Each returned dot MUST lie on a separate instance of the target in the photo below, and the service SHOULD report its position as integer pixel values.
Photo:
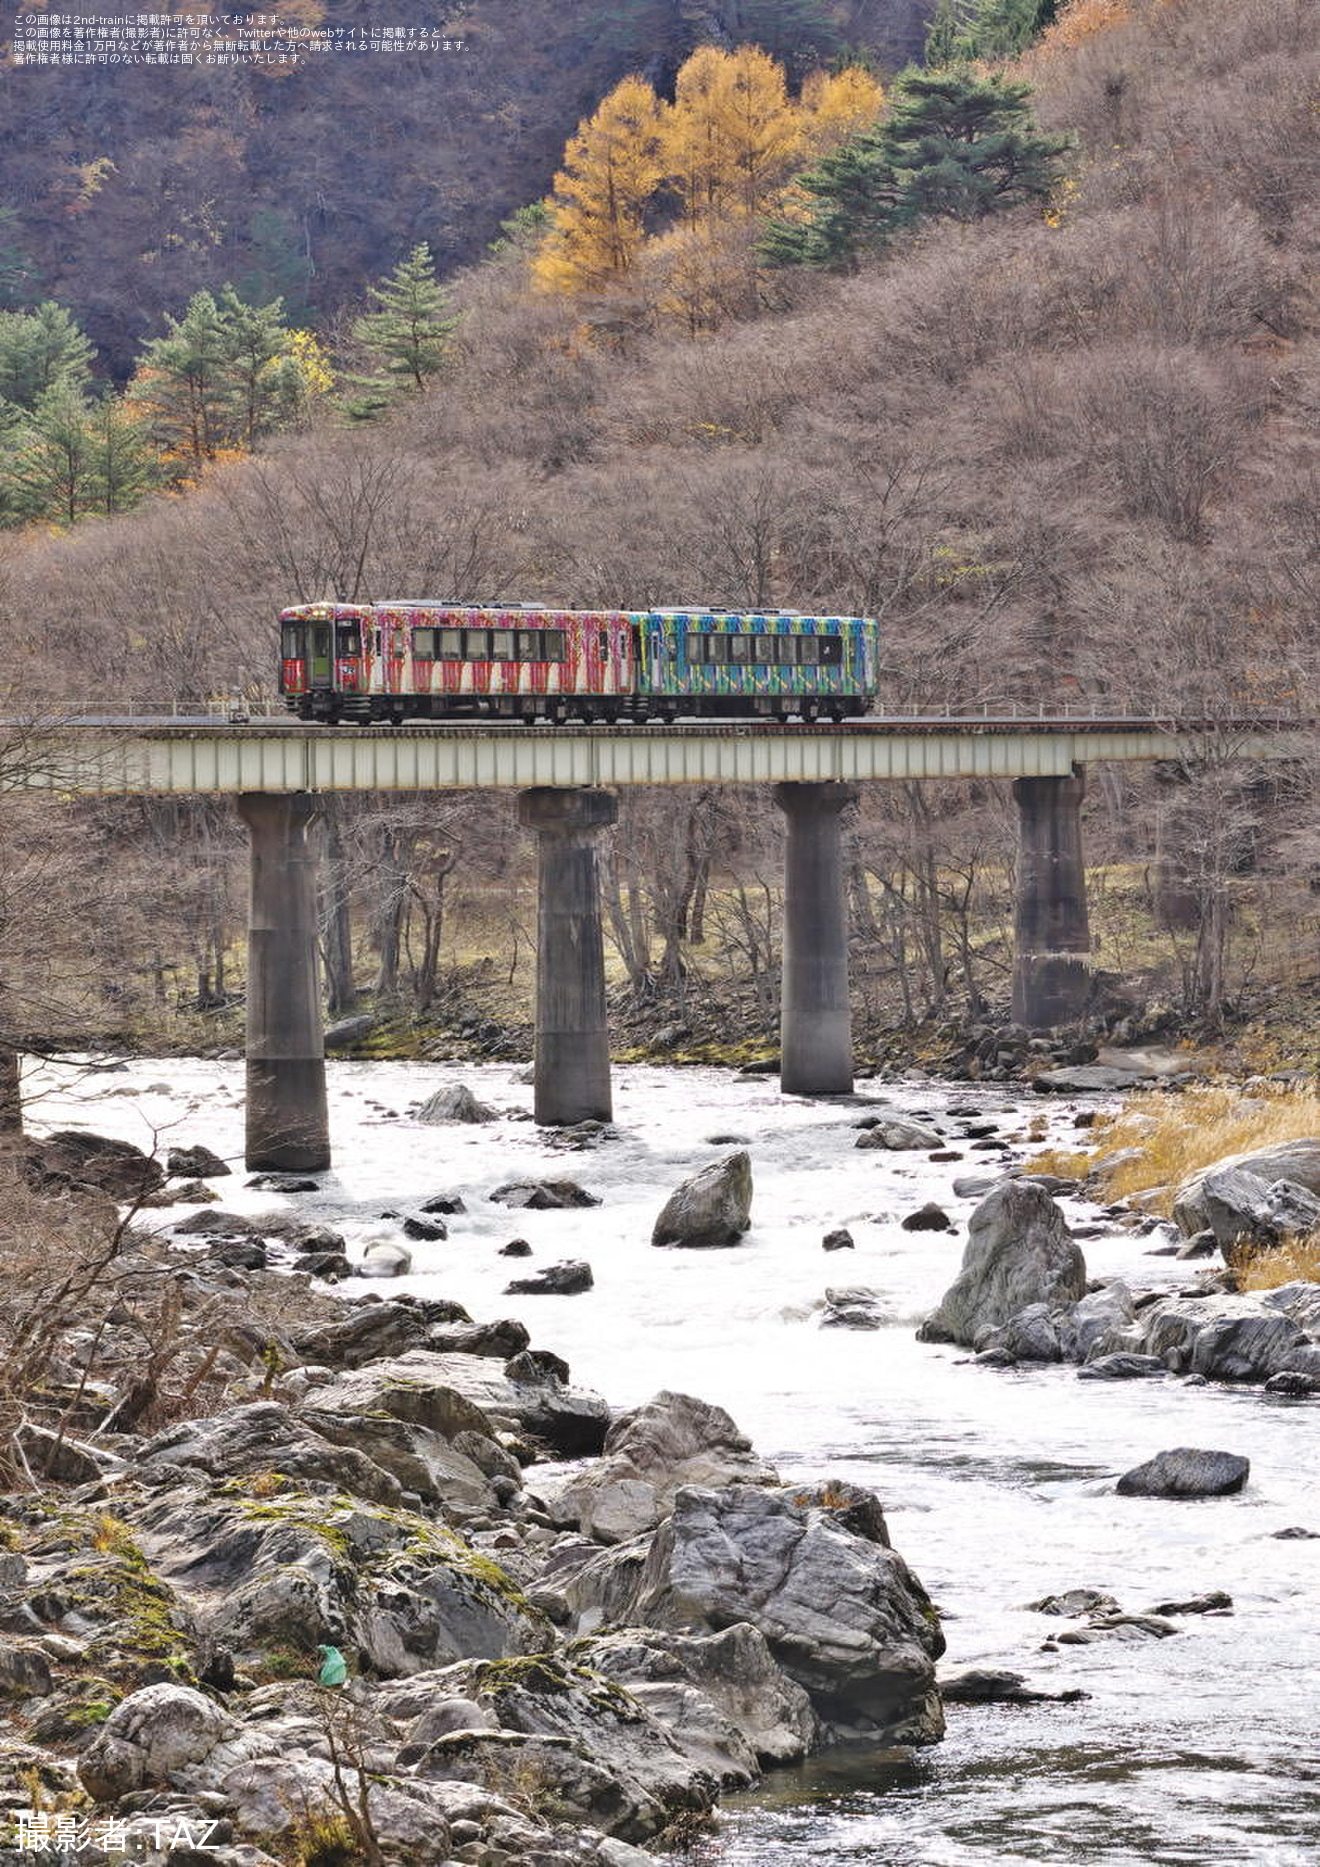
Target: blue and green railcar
(770, 665)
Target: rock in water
(385, 1260)
(1018, 1253)
(457, 1104)
(843, 1615)
(194, 1163)
(650, 1454)
(928, 1218)
(1186, 1472)
(900, 1136)
(114, 1167)
(542, 1195)
(713, 1208)
(855, 1306)
(556, 1280)
(425, 1229)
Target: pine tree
(956, 143)
(612, 168)
(408, 339)
(17, 272)
(40, 350)
(255, 338)
(184, 383)
(965, 145)
(850, 203)
(223, 375)
(124, 465)
(49, 471)
(991, 30)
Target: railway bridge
(564, 779)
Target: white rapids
(998, 1485)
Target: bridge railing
(999, 710)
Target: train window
(696, 648)
(740, 648)
(350, 638)
(450, 644)
(501, 644)
(717, 648)
(553, 649)
(806, 651)
(766, 647)
(529, 645)
(291, 641)
(831, 651)
(605, 644)
(476, 644)
(320, 641)
(424, 644)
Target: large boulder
(721, 1696)
(649, 1455)
(574, 1741)
(1186, 1472)
(373, 1331)
(424, 1386)
(1088, 1079)
(116, 1168)
(433, 1439)
(842, 1614)
(1019, 1253)
(1245, 1348)
(1225, 1338)
(1298, 1161)
(1247, 1213)
(711, 1209)
(281, 1573)
(456, 1104)
(261, 1437)
(148, 1737)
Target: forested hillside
(1065, 451)
(124, 192)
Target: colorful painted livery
(416, 659)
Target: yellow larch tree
(732, 134)
(612, 168)
(836, 105)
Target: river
(998, 1485)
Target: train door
(293, 657)
(320, 657)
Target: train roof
(330, 606)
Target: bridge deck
(109, 756)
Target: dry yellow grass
(1176, 1136)
(1297, 1260)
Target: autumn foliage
(678, 182)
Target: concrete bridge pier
(572, 1070)
(287, 1124)
(1052, 939)
(815, 1037)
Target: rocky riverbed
(570, 1625)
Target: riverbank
(997, 1485)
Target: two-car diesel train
(376, 662)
